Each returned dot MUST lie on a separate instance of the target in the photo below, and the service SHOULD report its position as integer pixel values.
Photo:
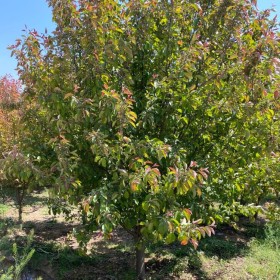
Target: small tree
(10, 90)
(14, 272)
(17, 169)
(18, 172)
(140, 97)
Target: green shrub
(13, 272)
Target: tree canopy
(154, 115)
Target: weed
(4, 208)
(221, 248)
(14, 272)
(262, 261)
(273, 235)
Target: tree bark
(140, 253)
(140, 261)
(20, 196)
(20, 213)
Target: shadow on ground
(58, 257)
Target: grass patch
(4, 208)
(263, 261)
(221, 248)
(259, 259)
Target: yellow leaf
(68, 95)
(180, 42)
(86, 207)
(118, 29)
(132, 123)
(132, 115)
(134, 186)
(192, 87)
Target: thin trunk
(140, 262)
(20, 195)
(140, 254)
(20, 213)
(258, 203)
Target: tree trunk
(20, 213)
(20, 195)
(277, 194)
(257, 203)
(140, 253)
(140, 261)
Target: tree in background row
(153, 115)
(9, 101)
(17, 170)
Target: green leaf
(145, 205)
(126, 195)
(170, 238)
(163, 227)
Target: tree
(14, 272)
(17, 169)
(139, 99)
(9, 101)
(9, 119)
(10, 89)
(19, 173)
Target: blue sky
(15, 14)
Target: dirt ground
(58, 256)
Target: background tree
(18, 174)
(9, 103)
(9, 118)
(139, 98)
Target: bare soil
(58, 255)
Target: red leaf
(188, 210)
(254, 2)
(127, 91)
(194, 243)
(208, 231)
(156, 171)
(193, 164)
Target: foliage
(14, 272)
(132, 102)
(9, 101)
(10, 89)
(17, 169)
(18, 172)
(273, 212)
